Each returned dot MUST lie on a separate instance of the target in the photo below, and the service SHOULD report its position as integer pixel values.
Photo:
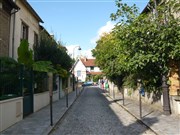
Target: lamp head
(79, 48)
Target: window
(78, 73)
(92, 68)
(24, 31)
(35, 38)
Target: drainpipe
(13, 32)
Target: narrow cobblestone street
(93, 113)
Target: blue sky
(78, 22)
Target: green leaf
(25, 55)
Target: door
(27, 92)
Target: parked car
(89, 83)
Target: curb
(52, 128)
(139, 120)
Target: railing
(10, 79)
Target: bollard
(67, 98)
(123, 96)
(140, 104)
(50, 87)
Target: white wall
(11, 111)
(61, 93)
(80, 66)
(96, 69)
(41, 100)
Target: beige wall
(23, 15)
(41, 100)
(11, 111)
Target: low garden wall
(41, 100)
(155, 100)
(11, 111)
(55, 95)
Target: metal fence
(10, 79)
(40, 82)
(17, 80)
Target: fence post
(21, 77)
(0, 66)
(32, 87)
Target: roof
(28, 6)
(147, 7)
(88, 62)
(95, 73)
(13, 4)
(73, 66)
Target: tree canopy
(140, 46)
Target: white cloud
(104, 29)
(87, 53)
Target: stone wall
(174, 79)
(4, 33)
(153, 99)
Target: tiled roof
(88, 62)
(95, 73)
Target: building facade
(85, 67)
(7, 9)
(24, 25)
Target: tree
(142, 46)
(25, 57)
(49, 50)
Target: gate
(16, 81)
(27, 92)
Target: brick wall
(4, 33)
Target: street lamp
(79, 48)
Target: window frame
(24, 31)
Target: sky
(78, 22)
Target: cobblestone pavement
(93, 113)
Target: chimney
(85, 59)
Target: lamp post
(166, 102)
(79, 48)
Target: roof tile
(88, 62)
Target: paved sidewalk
(164, 125)
(38, 123)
